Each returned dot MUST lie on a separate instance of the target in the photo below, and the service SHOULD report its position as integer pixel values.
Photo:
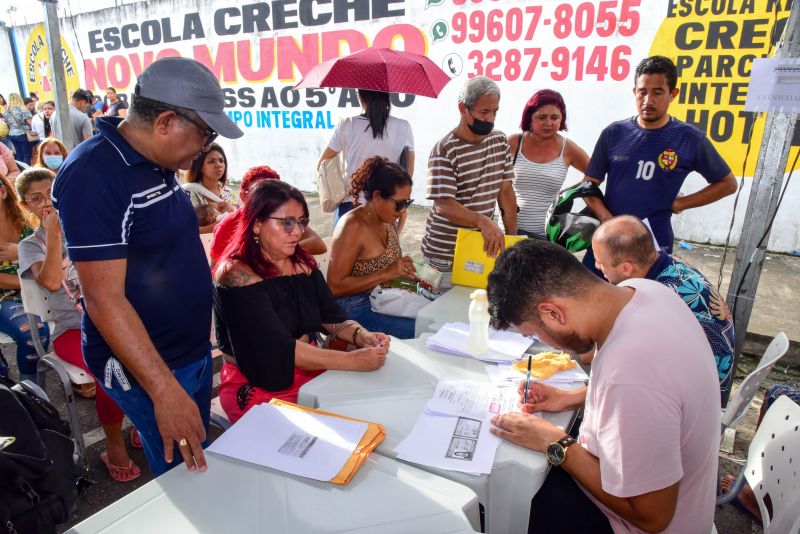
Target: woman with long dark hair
(269, 300)
(373, 133)
(205, 182)
(366, 249)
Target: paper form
(472, 399)
(300, 443)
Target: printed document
(469, 398)
(296, 442)
(504, 346)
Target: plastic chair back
(34, 299)
(741, 399)
(324, 259)
(773, 466)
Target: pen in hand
(527, 382)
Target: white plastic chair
(741, 399)
(36, 302)
(773, 468)
(218, 417)
(324, 259)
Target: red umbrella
(379, 69)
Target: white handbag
(396, 302)
(331, 178)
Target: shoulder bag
(331, 183)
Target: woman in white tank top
(542, 159)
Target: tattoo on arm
(236, 278)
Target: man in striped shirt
(469, 170)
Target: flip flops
(739, 505)
(121, 473)
(136, 441)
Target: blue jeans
(358, 308)
(14, 322)
(341, 209)
(23, 147)
(195, 379)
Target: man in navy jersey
(646, 158)
(132, 234)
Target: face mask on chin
(479, 127)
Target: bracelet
(356, 331)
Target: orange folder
(373, 437)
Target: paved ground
(775, 310)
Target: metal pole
(59, 80)
(764, 193)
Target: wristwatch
(556, 452)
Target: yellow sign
(38, 74)
(713, 44)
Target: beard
(571, 342)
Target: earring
(256, 239)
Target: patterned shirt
(12, 267)
(470, 173)
(707, 305)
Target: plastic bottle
(478, 323)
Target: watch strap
(566, 441)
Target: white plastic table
(395, 396)
(452, 306)
(232, 496)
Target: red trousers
(67, 346)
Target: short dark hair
(545, 97)
(528, 273)
(80, 94)
(632, 243)
(659, 65)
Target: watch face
(555, 454)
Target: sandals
(136, 441)
(87, 390)
(118, 473)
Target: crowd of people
(114, 237)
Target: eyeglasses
(400, 205)
(290, 222)
(205, 130)
(37, 200)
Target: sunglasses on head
(400, 205)
(290, 222)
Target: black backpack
(38, 476)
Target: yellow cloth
(373, 437)
(545, 364)
(471, 265)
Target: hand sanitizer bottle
(478, 323)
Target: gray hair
(476, 88)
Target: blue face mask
(53, 162)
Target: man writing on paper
(623, 249)
(647, 157)
(469, 170)
(646, 459)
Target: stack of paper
(301, 441)
(453, 430)
(504, 346)
(503, 376)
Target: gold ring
(183, 442)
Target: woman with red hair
(542, 157)
(224, 230)
(270, 298)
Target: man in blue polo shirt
(132, 235)
(623, 249)
(646, 159)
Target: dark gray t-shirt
(32, 250)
